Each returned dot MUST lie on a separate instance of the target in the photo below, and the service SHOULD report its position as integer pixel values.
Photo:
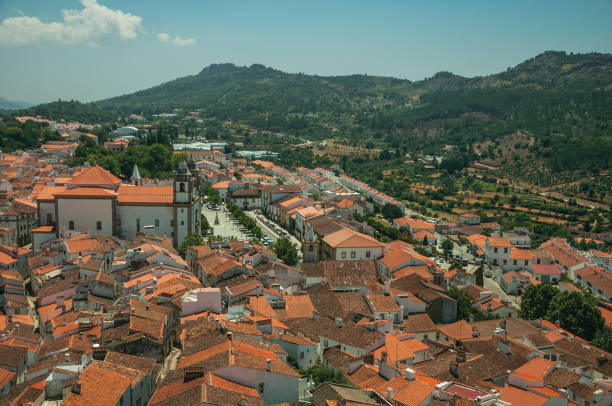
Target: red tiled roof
(546, 269)
(99, 387)
(94, 175)
(518, 396)
(86, 191)
(145, 194)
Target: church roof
(86, 191)
(94, 175)
(145, 194)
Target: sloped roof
(145, 194)
(347, 238)
(94, 175)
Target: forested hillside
(562, 101)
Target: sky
(89, 50)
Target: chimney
(229, 336)
(268, 365)
(460, 356)
(454, 368)
(339, 322)
(409, 374)
(67, 357)
(387, 287)
(76, 388)
(504, 347)
(390, 394)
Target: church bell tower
(310, 247)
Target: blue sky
(93, 49)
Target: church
(96, 201)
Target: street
(270, 233)
(492, 285)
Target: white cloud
(163, 37)
(92, 22)
(178, 41)
(183, 42)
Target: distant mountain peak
(220, 68)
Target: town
(239, 281)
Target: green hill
(562, 101)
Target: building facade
(95, 201)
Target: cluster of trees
(154, 161)
(212, 194)
(464, 306)
(286, 251)
(17, 135)
(575, 312)
(191, 240)
(248, 222)
(321, 374)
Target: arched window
(182, 187)
(71, 225)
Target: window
(495, 250)
(538, 260)
(505, 261)
(182, 187)
(302, 355)
(71, 225)
(343, 254)
(311, 248)
(514, 262)
(98, 225)
(137, 225)
(367, 254)
(182, 223)
(118, 222)
(352, 254)
(171, 223)
(156, 222)
(505, 250)
(526, 262)
(49, 218)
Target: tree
(320, 374)
(603, 339)
(447, 245)
(576, 313)
(286, 252)
(464, 302)
(391, 211)
(191, 240)
(536, 300)
(204, 226)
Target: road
(492, 285)
(269, 232)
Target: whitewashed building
(95, 201)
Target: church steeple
(183, 184)
(310, 246)
(135, 179)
